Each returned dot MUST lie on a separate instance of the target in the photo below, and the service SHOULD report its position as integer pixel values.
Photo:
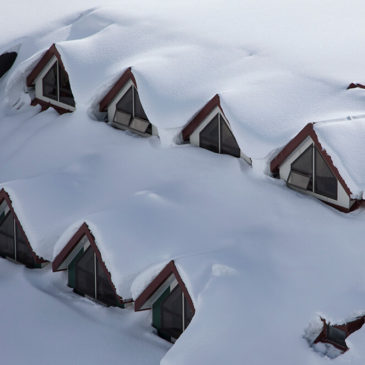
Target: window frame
(313, 176)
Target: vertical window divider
(95, 278)
(133, 102)
(219, 133)
(183, 310)
(14, 229)
(314, 168)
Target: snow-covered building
(7, 60)
(124, 108)
(325, 160)
(211, 130)
(170, 301)
(14, 243)
(87, 273)
(51, 83)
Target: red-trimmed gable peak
(355, 85)
(200, 116)
(52, 51)
(113, 92)
(169, 269)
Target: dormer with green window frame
(86, 271)
(170, 301)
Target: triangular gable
(157, 282)
(52, 51)
(62, 257)
(109, 97)
(200, 116)
(355, 85)
(5, 196)
(307, 131)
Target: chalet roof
(341, 143)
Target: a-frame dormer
(124, 107)
(51, 83)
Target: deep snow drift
(260, 261)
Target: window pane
(50, 83)
(336, 335)
(304, 163)
(171, 313)
(138, 108)
(121, 119)
(209, 136)
(229, 144)
(125, 104)
(7, 236)
(105, 292)
(85, 278)
(188, 312)
(23, 251)
(299, 180)
(139, 125)
(65, 88)
(325, 182)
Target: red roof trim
(52, 51)
(5, 196)
(349, 328)
(307, 131)
(355, 85)
(169, 269)
(200, 116)
(84, 230)
(113, 92)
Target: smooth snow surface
(260, 261)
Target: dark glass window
(301, 175)
(171, 314)
(325, 181)
(7, 236)
(138, 108)
(336, 336)
(209, 136)
(23, 251)
(125, 104)
(66, 96)
(229, 144)
(105, 291)
(6, 61)
(85, 274)
(50, 83)
(56, 85)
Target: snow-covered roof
(240, 240)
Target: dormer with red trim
(211, 130)
(51, 83)
(336, 334)
(124, 108)
(170, 301)
(313, 162)
(14, 243)
(87, 272)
